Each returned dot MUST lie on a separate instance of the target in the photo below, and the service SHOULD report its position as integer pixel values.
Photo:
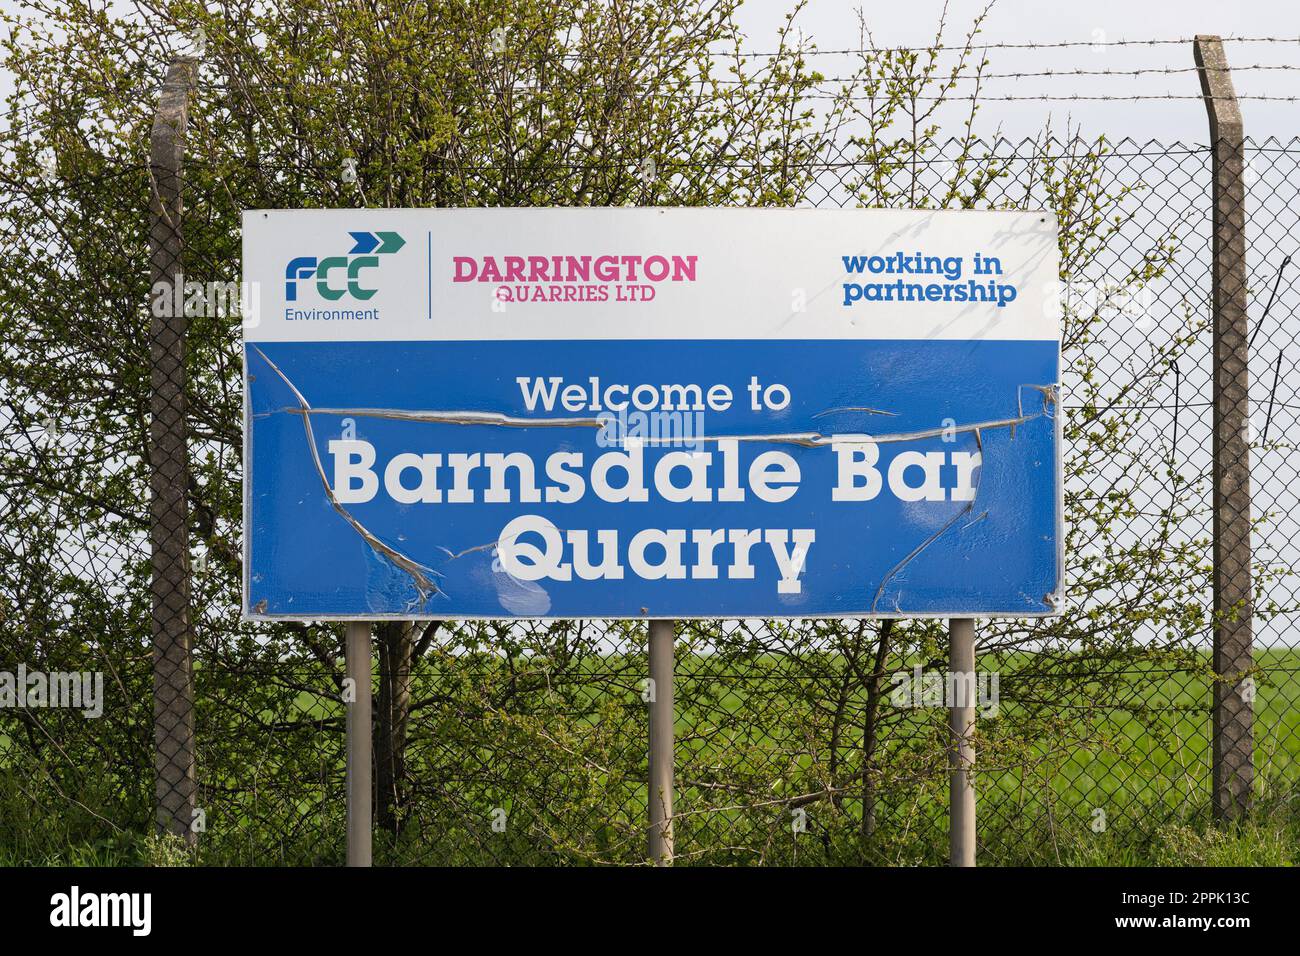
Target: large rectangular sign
(572, 413)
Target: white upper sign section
(340, 275)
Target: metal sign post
(661, 743)
(961, 748)
(357, 655)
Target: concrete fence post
(171, 627)
(1233, 723)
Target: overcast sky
(833, 24)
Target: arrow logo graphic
(376, 242)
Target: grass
(1144, 766)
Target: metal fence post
(358, 730)
(961, 745)
(171, 627)
(1233, 730)
(660, 792)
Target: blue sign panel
(651, 413)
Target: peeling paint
(893, 572)
(855, 408)
(452, 417)
(803, 439)
(421, 576)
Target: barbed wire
(939, 80)
(34, 123)
(11, 115)
(1047, 97)
(1125, 74)
(942, 48)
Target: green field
(1108, 768)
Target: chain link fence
(519, 742)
